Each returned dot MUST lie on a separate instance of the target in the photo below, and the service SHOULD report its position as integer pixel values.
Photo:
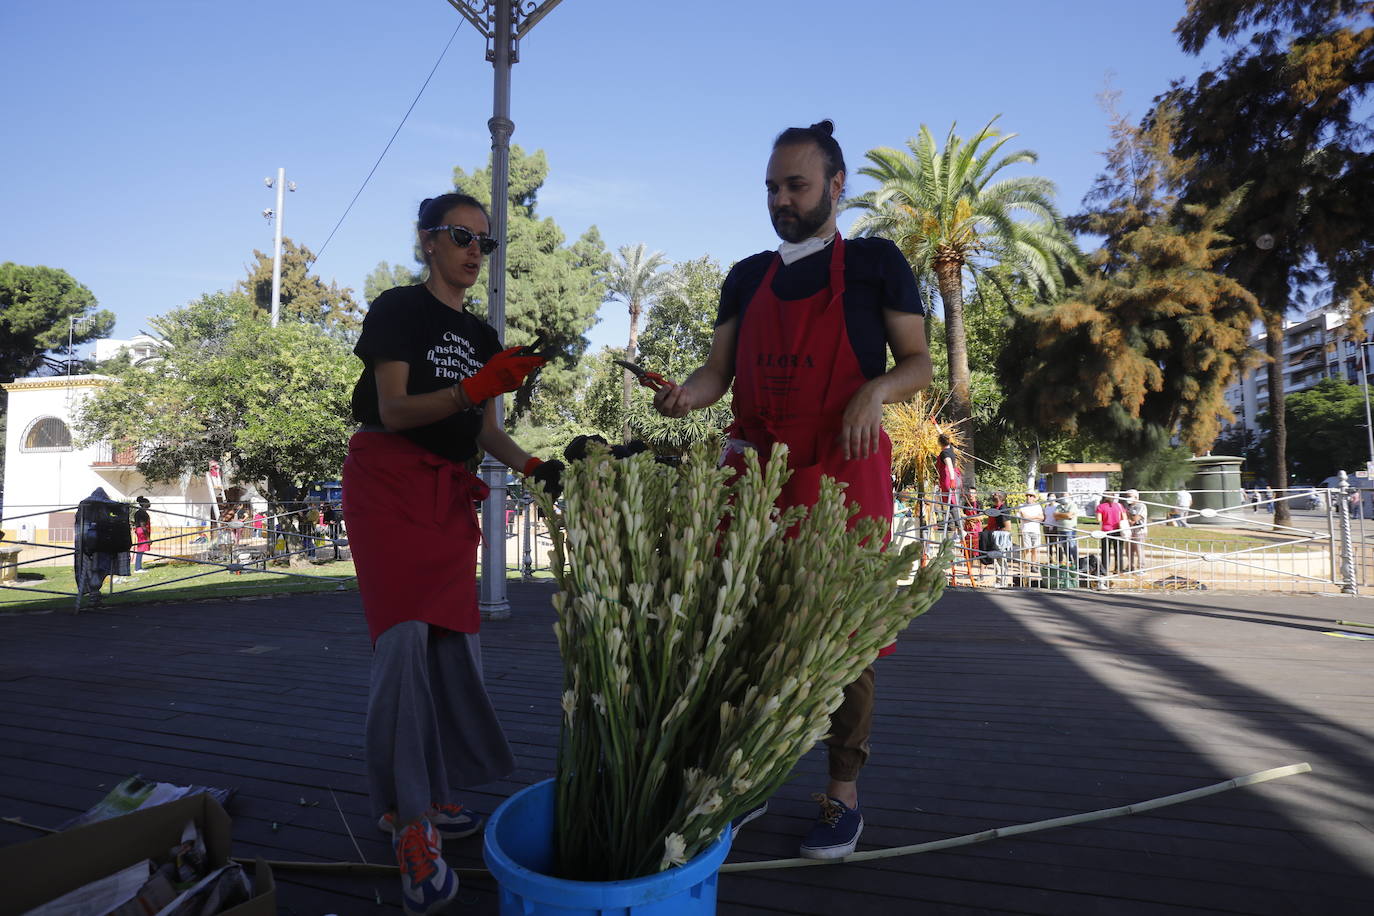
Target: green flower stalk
(706, 638)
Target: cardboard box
(43, 870)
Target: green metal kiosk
(1215, 484)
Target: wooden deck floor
(1000, 708)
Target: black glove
(577, 449)
(550, 474)
(628, 451)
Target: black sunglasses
(463, 236)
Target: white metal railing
(187, 541)
(1238, 547)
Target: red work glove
(506, 371)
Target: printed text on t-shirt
(455, 358)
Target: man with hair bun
(803, 333)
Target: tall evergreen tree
(953, 214)
(37, 305)
(1145, 346)
(553, 290)
(304, 296)
(1280, 118)
(387, 276)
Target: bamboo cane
(1034, 826)
(359, 868)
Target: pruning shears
(651, 380)
(536, 348)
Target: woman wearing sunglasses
(429, 369)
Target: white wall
(52, 481)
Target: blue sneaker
(428, 885)
(836, 831)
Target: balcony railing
(109, 455)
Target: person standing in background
(143, 532)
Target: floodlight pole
(503, 23)
(1364, 385)
(276, 248)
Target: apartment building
(1314, 347)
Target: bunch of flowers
(706, 637)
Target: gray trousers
(431, 727)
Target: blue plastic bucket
(519, 850)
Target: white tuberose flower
(674, 851)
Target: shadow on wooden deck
(998, 709)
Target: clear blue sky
(139, 132)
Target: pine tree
(1279, 118)
(553, 290)
(304, 297)
(1145, 346)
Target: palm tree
(636, 278)
(946, 213)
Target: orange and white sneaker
(428, 885)
(454, 822)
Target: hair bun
(424, 203)
(826, 127)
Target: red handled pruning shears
(646, 378)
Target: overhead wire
(394, 134)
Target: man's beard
(804, 225)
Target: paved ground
(1000, 708)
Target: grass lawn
(160, 583)
(1217, 539)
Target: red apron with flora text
(795, 373)
(413, 533)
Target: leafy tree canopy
(386, 276)
(1325, 430)
(677, 337)
(954, 216)
(304, 296)
(676, 340)
(1281, 117)
(553, 289)
(1145, 346)
(36, 304)
(272, 404)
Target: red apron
(795, 373)
(413, 533)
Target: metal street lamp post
(1368, 427)
(502, 23)
(282, 187)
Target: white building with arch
(46, 474)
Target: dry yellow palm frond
(914, 427)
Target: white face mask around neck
(792, 252)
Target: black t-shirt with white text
(876, 277)
(441, 346)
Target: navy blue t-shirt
(876, 277)
(441, 346)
